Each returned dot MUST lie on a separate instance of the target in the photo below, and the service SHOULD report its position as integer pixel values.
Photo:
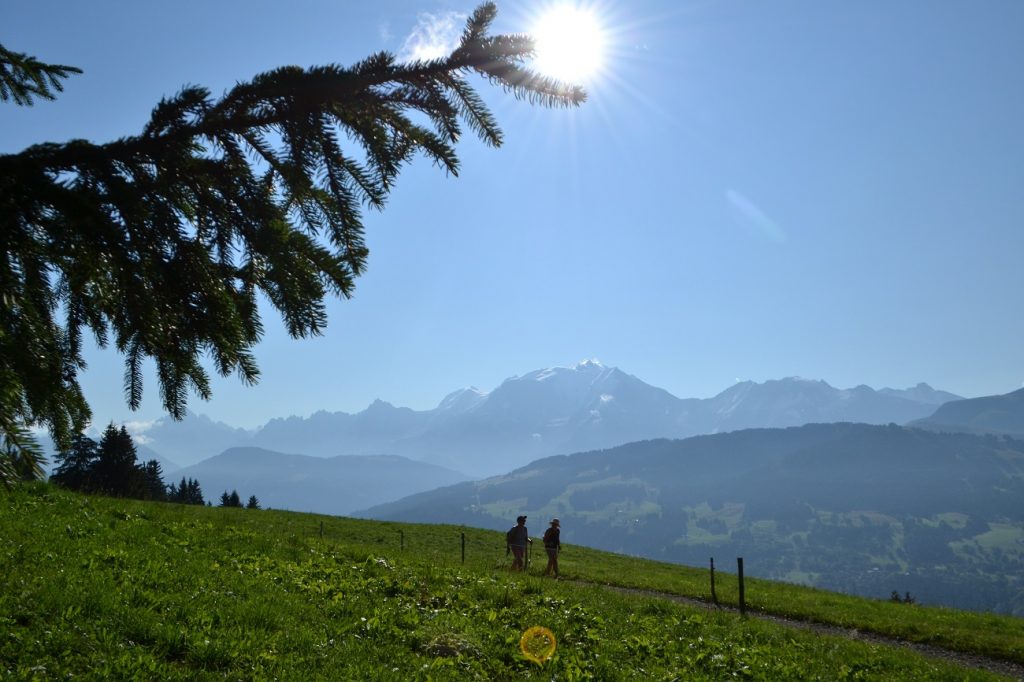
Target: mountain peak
(802, 380)
(462, 399)
(591, 363)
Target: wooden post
(714, 597)
(463, 548)
(743, 603)
(401, 540)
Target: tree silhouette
(76, 465)
(230, 500)
(153, 477)
(109, 467)
(163, 242)
(253, 503)
(117, 471)
(188, 492)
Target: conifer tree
(117, 471)
(162, 243)
(153, 476)
(253, 503)
(76, 465)
(188, 492)
(194, 494)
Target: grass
(988, 634)
(102, 588)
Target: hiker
(552, 545)
(516, 539)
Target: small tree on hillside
(253, 503)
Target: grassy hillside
(854, 508)
(101, 588)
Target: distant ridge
(335, 485)
(1000, 414)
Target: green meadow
(101, 588)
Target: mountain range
(852, 507)
(545, 412)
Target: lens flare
(538, 644)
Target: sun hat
(554, 522)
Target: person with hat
(516, 539)
(552, 545)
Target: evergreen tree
(76, 465)
(162, 242)
(253, 503)
(195, 493)
(153, 476)
(117, 471)
(235, 500)
(187, 492)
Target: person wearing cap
(552, 545)
(517, 538)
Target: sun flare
(570, 43)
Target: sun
(570, 43)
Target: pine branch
(165, 238)
(23, 77)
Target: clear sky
(833, 190)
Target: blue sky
(754, 190)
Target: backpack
(509, 534)
(549, 537)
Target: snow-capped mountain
(795, 401)
(569, 409)
(556, 410)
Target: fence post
(463, 548)
(401, 540)
(714, 597)
(743, 603)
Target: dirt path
(967, 660)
